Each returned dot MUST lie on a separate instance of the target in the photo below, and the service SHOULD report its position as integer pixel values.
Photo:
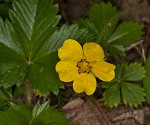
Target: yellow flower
(82, 66)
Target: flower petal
(93, 51)
(71, 50)
(67, 70)
(85, 83)
(104, 70)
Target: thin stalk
(28, 93)
(102, 115)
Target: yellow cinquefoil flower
(82, 66)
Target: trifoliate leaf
(126, 33)
(28, 43)
(112, 95)
(133, 95)
(40, 115)
(121, 86)
(146, 82)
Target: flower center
(84, 66)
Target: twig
(101, 112)
(134, 45)
(143, 53)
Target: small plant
(36, 56)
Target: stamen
(84, 66)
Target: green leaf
(126, 33)
(146, 82)
(5, 98)
(59, 36)
(38, 109)
(103, 23)
(130, 72)
(112, 95)
(40, 115)
(47, 115)
(16, 115)
(133, 95)
(104, 17)
(44, 78)
(34, 21)
(8, 38)
(12, 73)
(12, 63)
(134, 72)
(29, 44)
(116, 50)
(4, 95)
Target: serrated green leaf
(12, 63)
(134, 72)
(133, 95)
(34, 21)
(45, 78)
(28, 42)
(8, 37)
(12, 73)
(126, 33)
(104, 17)
(59, 36)
(146, 82)
(129, 72)
(112, 95)
(102, 22)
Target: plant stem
(28, 93)
(101, 112)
